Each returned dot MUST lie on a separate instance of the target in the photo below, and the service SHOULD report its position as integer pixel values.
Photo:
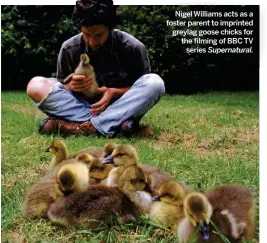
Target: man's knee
(38, 88)
(155, 84)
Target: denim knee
(154, 84)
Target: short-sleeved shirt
(118, 63)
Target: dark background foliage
(32, 36)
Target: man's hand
(108, 95)
(79, 83)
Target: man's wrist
(69, 87)
(119, 91)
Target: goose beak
(108, 160)
(204, 231)
(156, 198)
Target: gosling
(231, 208)
(167, 206)
(123, 157)
(73, 177)
(133, 182)
(59, 150)
(66, 178)
(97, 171)
(84, 68)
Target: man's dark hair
(93, 12)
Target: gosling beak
(156, 198)
(108, 160)
(47, 149)
(204, 231)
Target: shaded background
(31, 37)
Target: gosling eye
(134, 181)
(119, 155)
(140, 180)
(167, 195)
(94, 169)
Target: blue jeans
(136, 102)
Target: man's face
(95, 36)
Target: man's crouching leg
(53, 99)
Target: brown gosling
(84, 68)
(67, 177)
(231, 208)
(167, 206)
(97, 205)
(156, 177)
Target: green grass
(210, 139)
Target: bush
(31, 39)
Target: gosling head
(72, 177)
(87, 159)
(96, 169)
(66, 178)
(56, 146)
(59, 149)
(134, 179)
(123, 155)
(198, 211)
(84, 59)
(108, 149)
(170, 192)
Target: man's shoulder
(73, 41)
(126, 40)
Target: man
(128, 89)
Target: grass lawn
(210, 139)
